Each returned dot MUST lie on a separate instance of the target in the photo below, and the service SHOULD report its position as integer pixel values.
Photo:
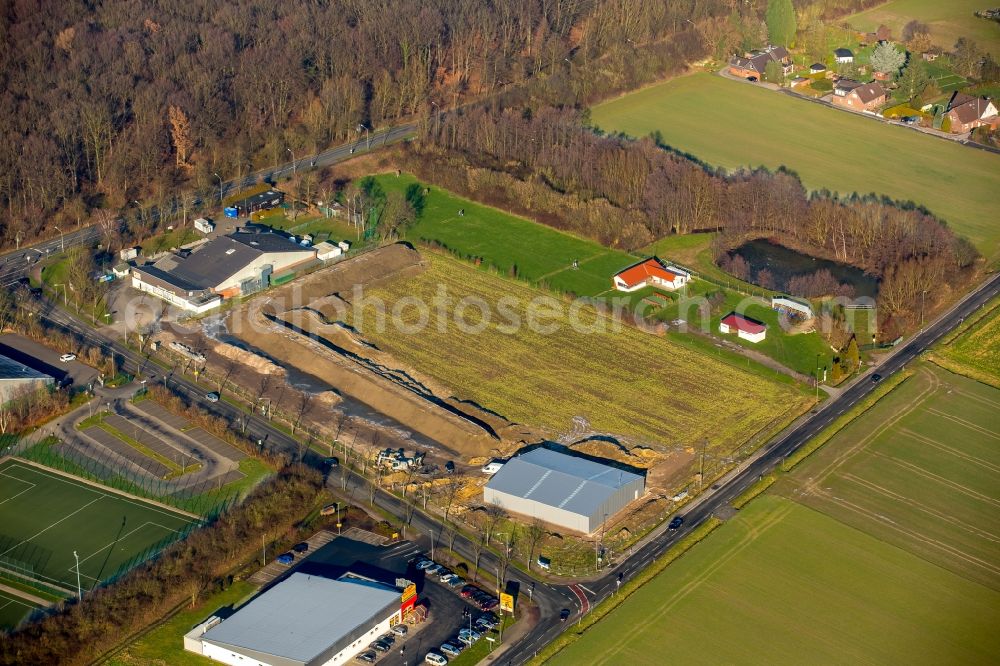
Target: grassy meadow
(537, 253)
(947, 19)
(629, 382)
(828, 148)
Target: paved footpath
(13, 591)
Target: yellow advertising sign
(409, 592)
(507, 602)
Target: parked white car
(66, 358)
(435, 659)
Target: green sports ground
(45, 516)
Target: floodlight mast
(79, 591)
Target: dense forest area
(628, 193)
(115, 101)
(111, 102)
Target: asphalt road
(551, 598)
(15, 264)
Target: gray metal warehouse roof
(225, 256)
(304, 616)
(560, 480)
(11, 369)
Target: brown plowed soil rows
(316, 304)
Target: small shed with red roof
(750, 330)
(651, 273)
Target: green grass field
(46, 516)
(14, 610)
(546, 377)
(976, 352)
(828, 148)
(881, 547)
(784, 584)
(920, 470)
(541, 254)
(948, 20)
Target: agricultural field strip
(694, 112)
(594, 358)
(861, 447)
(881, 490)
(752, 534)
(878, 518)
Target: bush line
(567, 638)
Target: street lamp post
(220, 187)
(922, 294)
(79, 590)
(293, 161)
(62, 242)
(817, 376)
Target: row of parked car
(463, 639)
(383, 643)
(466, 636)
(481, 598)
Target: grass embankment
(828, 148)
(656, 387)
(164, 645)
(975, 351)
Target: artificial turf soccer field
(13, 609)
(45, 516)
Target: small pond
(785, 264)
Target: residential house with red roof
(857, 96)
(966, 113)
(651, 273)
(748, 329)
(753, 64)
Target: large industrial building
(17, 379)
(241, 263)
(563, 490)
(304, 620)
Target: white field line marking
(120, 498)
(26, 490)
(122, 538)
(66, 517)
